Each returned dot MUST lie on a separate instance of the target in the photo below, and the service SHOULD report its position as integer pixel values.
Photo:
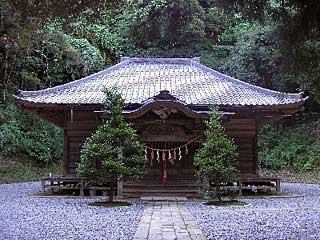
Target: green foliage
(257, 41)
(58, 58)
(295, 148)
(166, 22)
(51, 9)
(164, 28)
(92, 60)
(305, 67)
(275, 44)
(215, 55)
(216, 160)
(113, 149)
(25, 135)
(36, 57)
(255, 57)
(106, 33)
(18, 169)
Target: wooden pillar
(43, 185)
(255, 154)
(278, 185)
(82, 188)
(71, 115)
(65, 145)
(66, 154)
(120, 187)
(240, 187)
(120, 180)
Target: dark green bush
(216, 160)
(296, 148)
(113, 149)
(26, 135)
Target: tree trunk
(5, 80)
(206, 184)
(111, 191)
(218, 193)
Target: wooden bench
(59, 182)
(253, 183)
(256, 180)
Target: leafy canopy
(274, 44)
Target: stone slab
(164, 218)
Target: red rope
(151, 157)
(164, 168)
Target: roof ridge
(155, 60)
(235, 80)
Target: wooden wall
(75, 133)
(244, 132)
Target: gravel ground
(27, 217)
(278, 218)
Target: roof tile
(138, 79)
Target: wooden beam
(66, 153)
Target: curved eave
(154, 105)
(225, 77)
(139, 112)
(29, 104)
(219, 87)
(288, 106)
(22, 93)
(298, 105)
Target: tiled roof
(138, 79)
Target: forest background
(269, 43)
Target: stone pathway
(167, 221)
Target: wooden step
(161, 187)
(151, 186)
(159, 182)
(132, 192)
(152, 180)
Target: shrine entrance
(169, 171)
(169, 161)
(172, 133)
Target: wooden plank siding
(243, 131)
(76, 132)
